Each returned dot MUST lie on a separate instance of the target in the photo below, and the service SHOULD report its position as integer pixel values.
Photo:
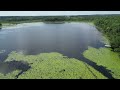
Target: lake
(70, 39)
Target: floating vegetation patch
(106, 58)
(54, 66)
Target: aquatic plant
(54, 66)
(11, 75)
(106, 58)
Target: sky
(54, 13)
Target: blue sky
(47, 13)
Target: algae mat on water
(106, 58)
(52, 66)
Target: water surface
(70, 39)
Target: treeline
(17, 19)
(107, 24)
(12, 19)
(110, 26)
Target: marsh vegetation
(55, 47)
(54, 66)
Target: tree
(110, 26)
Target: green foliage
(110, 26)
(11, 75)
(54, 66)
(106, 58)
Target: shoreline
(9, 25)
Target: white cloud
(46, 13)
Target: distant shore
(11, 24)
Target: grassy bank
(52, 66)
(9, 24)
(106, 58)
(4, 25)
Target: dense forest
(109, 25)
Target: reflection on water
(70, 39)
(7, 67)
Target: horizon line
(60, 15)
